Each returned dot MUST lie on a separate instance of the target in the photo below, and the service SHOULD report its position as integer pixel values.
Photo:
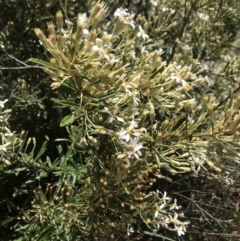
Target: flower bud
(59, 19)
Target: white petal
(120, 119)
(95, 48)
(85, 33)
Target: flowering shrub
(143, 114)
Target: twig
(12, 57)
(26, 66)
(18, 68)
(201, 209)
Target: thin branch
(12, 57)
(18, 68)
(26, 66)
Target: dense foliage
(119, 120)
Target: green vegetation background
(33, 110)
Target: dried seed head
(41, 36)
(55, 85)
(51, 28)
(120, 25)
(49, 72)
(53, 61)
(59, 41)
(106, 37)
(59, 19)
(97, 13)
(52, 39)
(236, 134)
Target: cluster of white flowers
(123, 13)
(131, 135)
(164, 219)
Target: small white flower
(95, 48)
(174, 220)
(126, 134)
(134, 148)
(174, 206)
(165, 197)
(179, 230)
(3, 147)
(130, 229)
(85, 33)
(100, 51)
(133, 94)
(159, 51)
(159, 210)
(131, 23)
(113, 116)
(121, 13)
(82, 18)
(2, 103)
(183, 225)
(142, 33)
(199, 162)
(165, 222)
(155, 193)
(179, 79)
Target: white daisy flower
(134, 148)
(159, 210)
(126, 134)
(174, 220)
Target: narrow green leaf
(6, 221)
(66, 103)
(44, 63)
(49, 162)
(67, 120)
(46, 233)
(42, 150)
(100, 98)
